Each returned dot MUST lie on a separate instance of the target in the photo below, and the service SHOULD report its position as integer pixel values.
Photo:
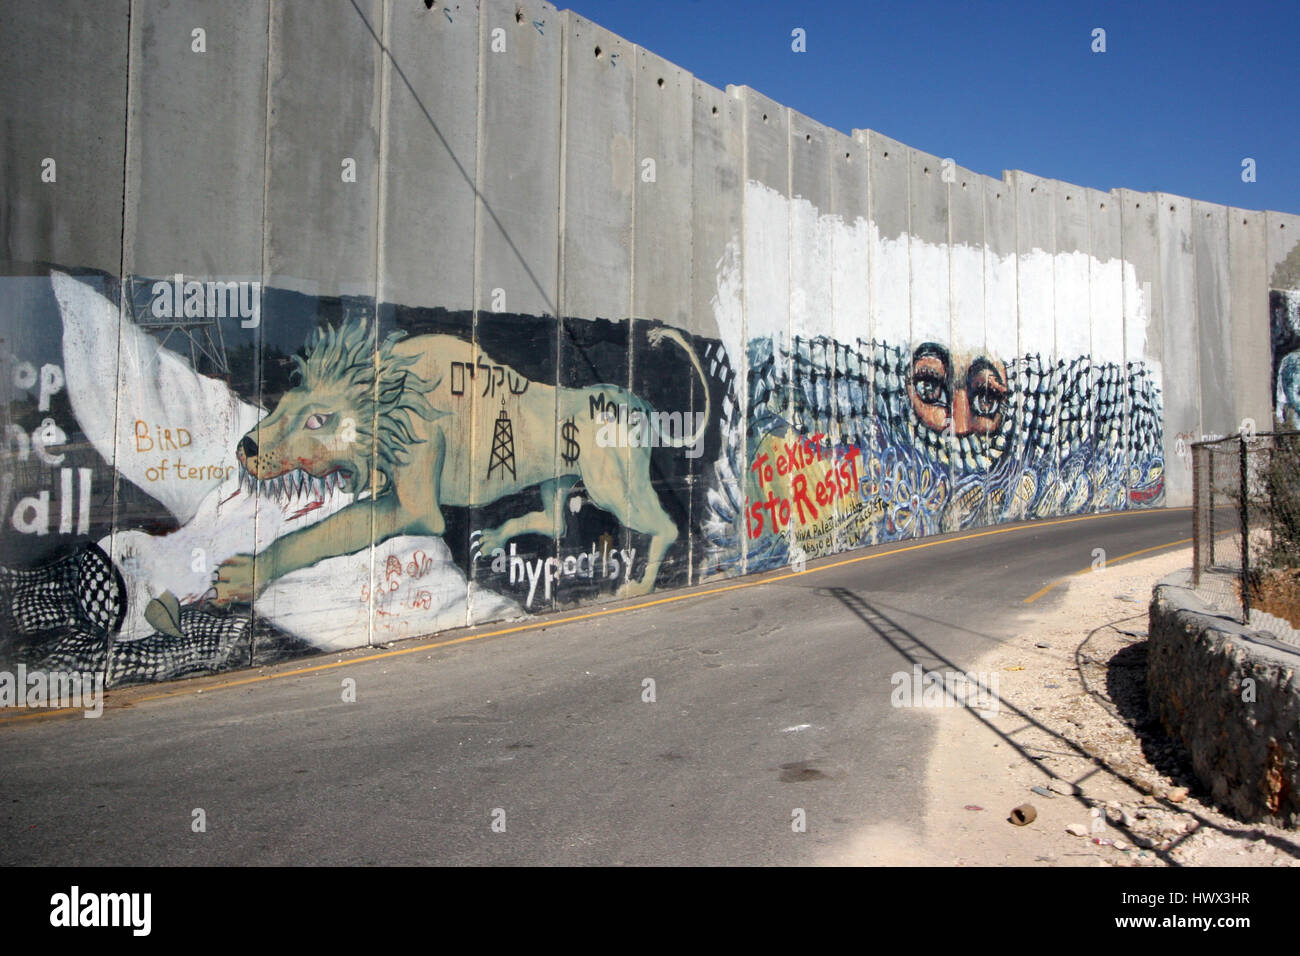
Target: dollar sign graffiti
(571, 448)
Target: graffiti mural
(914, 442)
(374, 480)
(333, 472)
(1284, 308)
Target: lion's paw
(234, 580)
(483, 543)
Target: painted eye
(931, 391)
(314, 422)
(985, 403)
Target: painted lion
(396, 424)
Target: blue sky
(1183, 93)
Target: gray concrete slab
(518, 222)
(429, 156)
(1182, 397)
(1071, 293)
(519, 146)
(717, 295)
(1283, 235)
(766, 237)
(968, 449)
(599, 176)
(1106, 333)
(63, 99)
(662, 267)
(600, 173)
(322, 148)
(1251, 345)
(1219, 413)
(928, 253)
(850, 315)
(1144, 327)
(1001, 310)
(767, 284)
(323, 184)
(810, 253)
(1036, 308)
(811, 310)
(890, 271)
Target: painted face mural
(1285, 314)
(905, 442)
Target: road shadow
(1125, 673)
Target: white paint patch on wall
(1073, 327)
(929, 284)
(1001, 332)
(1036, 297)
(850, 285)
(891, 305)
(767, 263)
(728, 303)
(1137, 310)
(1107, 290)
(967, 286)
(1102, 309)
(810, 268)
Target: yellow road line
(1109, 561)
(537, 625)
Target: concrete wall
(334, 323)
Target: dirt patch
(1071, 735)
(1278, 593)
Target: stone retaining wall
(1229, 694)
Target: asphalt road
(768, 699)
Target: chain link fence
(1246, 527)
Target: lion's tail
(655, 337)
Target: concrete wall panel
(811, 305)
(1071, 274)
(1144, 336)
(63, 99)
(971, 437)
(1037, 411)
(322, 160)
(1251, 349)
(767, 289)
(517, 301)
(429, 156)
(1182, 418)
(1001, 321)
(850, 330)
(890, 273)
(661, 296)
(1109, 469)
(717, 307)
(928, 255)
(1219, 416)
